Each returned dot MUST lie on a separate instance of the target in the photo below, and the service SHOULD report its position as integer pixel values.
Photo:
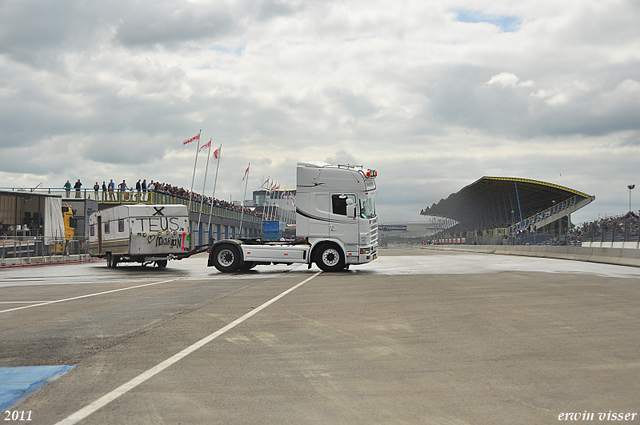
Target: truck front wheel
(227, 258)
(330, 258)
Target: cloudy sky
(433, 94)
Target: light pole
(631, 186)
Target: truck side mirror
(351, 208)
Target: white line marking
(124, 388)
(22, 302)
(86, 296)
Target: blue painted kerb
(18, 382)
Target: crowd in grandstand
(142, 188)
(616, 228)
(198, 198)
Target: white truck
(139, 233)
(335, 216)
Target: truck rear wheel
(227, 258)
(330, 258)
(161, 263)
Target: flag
(266, 182)
(207, 145)
(216, 153)
(246, 172)
(197, 137)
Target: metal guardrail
(544, 214)
(522, 239)
(35, 246)
(612, 230)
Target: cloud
(507, 79)
(433, 96)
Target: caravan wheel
(112, 261)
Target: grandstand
(496, 208)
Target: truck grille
(373, 234)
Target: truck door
(343, 224)
(318, 220)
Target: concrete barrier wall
(620, 256)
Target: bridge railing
(131, 197)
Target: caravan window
(121, 225)
(92, 230)
(106, 228)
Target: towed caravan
(139, 233)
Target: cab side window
(339, 203)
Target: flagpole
(194, 169)
(268, 204)
(246, 175)
(265, 208)
(204, 185)
(215, 180)
(273, 184)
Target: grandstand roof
(492, 202)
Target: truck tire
(227, 258)
(248, 265)
(329, 258)
(161, 263)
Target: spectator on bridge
(122, 188)
(96, 189)
(112, 188)
(67, 187)
(144, 188)
(77, 187)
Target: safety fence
(27, 247)
(620, 232)
(501, 239)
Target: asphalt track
(416, 337)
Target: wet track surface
(417, 336)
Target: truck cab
(336, 204)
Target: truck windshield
(367, 208)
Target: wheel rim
(330, 257)
(226, 257)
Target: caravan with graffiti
(140, 233)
